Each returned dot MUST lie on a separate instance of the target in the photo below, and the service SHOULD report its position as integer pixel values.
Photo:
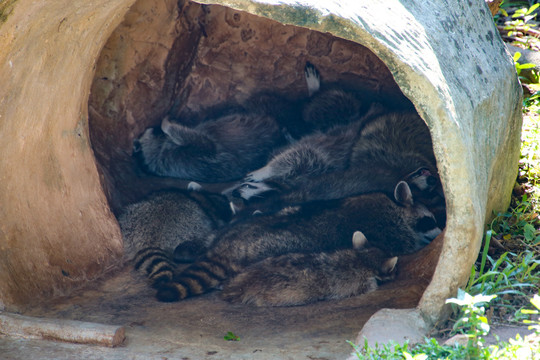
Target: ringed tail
(198, 278)
(155, 264)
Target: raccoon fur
(394, 227)
(167, 221)
(352, 159)
(333, 105)
(217, 150)
(297, 279)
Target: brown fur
(308, 228)
(296, 279)
(154, 227)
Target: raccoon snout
(432, 234)
(236, 193)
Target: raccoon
(297, 279)
(171, 220)
(217, 150)
(364, 148)
(351, 159)
(315, 154)
(394, 227)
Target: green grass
(474, 326)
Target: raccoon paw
(194, 186)
(168, 292)
(259, 175)
(249, 190)
(313, 80)
(232, 294)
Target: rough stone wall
(183, 60)
(56, 230)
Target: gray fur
(176, 220)
(308, 228)
(352, 159)
(217, 150)
(332, 105)
(297, 279)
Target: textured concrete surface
(194, 329)
(399, 325)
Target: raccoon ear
(359, 240)
(403, 194)
(166, 125)
(389, 265)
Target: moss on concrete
(6, 8)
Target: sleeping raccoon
(170, 220)
(217, 150)
(363, 150)
(352, 159)
(395, 228)
(296, 279)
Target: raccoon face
(426, 226)
(420, 219)
(423, 179)
(147, 148)
(148, 138)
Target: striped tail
(199, 278)
(155, 264)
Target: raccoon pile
(314, 171)
(167, 221)
(361, 152)
(217, 150)
(228, 142)
(346, 161)
(394, 227)
(297, 279)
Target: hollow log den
(263, 169)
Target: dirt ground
(194, 328)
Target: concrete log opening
(67, 122)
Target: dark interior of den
(269, 164)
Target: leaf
(230, 336)
(531, 9)
(536, 301)
(529, 232)
(527, 66)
